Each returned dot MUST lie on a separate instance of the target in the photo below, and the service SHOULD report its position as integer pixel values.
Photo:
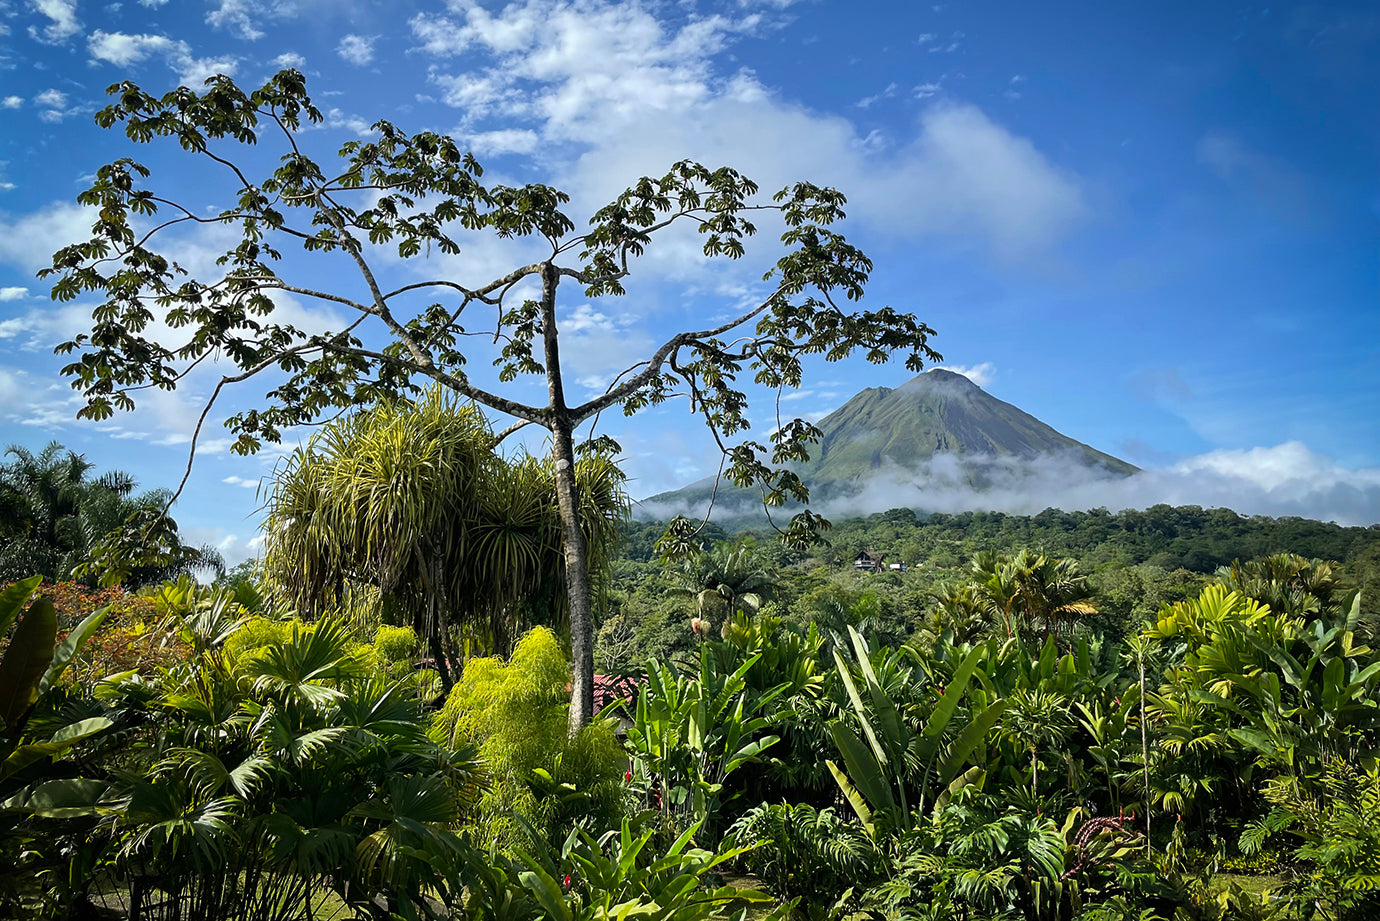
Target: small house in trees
(870, 561)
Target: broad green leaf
(30, 652)
(968, 740)
(13, 599)
(68, 648)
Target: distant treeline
(1135, 562)
(1170, 537)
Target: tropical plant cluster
(1004, 756)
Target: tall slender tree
(419, 194)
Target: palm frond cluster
(408, 500)
(55, 517)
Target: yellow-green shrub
(516, 713)
(257, 633)
(395, 648)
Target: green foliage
(1251, 690)
(905, 767)
(1336, 819)
(616, 875)
(254, 634)
(56, 518)
(691, 732)
(395, 649)
(37, 739)
(814, 855)
(969, 858)
(515, 713)
(279, 775)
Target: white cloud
(122, 49)
(233, 548)
(51, 99)
(241, 481)
(290, 59)
(246, 18)
(954, 43)
(356, 49)
(593, 79)
(926, 90)
(28, 401)
(196, 71)
(153, 4)
(596, 346)
(868, 101)
(980, 374)
(1286, 479)
(29, 241)
(500, 141)
(11, 102)
(334, 118)
(63, 23)
(13, 294)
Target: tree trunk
(572, 532)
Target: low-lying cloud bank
(1285, 480)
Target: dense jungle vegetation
(1065, 716)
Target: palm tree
(55, 519)
(725, 580)
(1031, 592)
(408, 500)
(1291, 584)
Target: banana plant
(33, 785)
(879, 783)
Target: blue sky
(1153, 226)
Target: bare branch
(659, 358)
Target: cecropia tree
(399, 195)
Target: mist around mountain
(938, 433)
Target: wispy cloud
(868, 101)
(980, 374)
(1286, 479)
(125, 50)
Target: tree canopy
(409, 499)
(401, 196)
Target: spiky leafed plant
(408, 498)
(288, 773)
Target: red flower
(627, 776)
(567, 880)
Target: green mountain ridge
(898, 431)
